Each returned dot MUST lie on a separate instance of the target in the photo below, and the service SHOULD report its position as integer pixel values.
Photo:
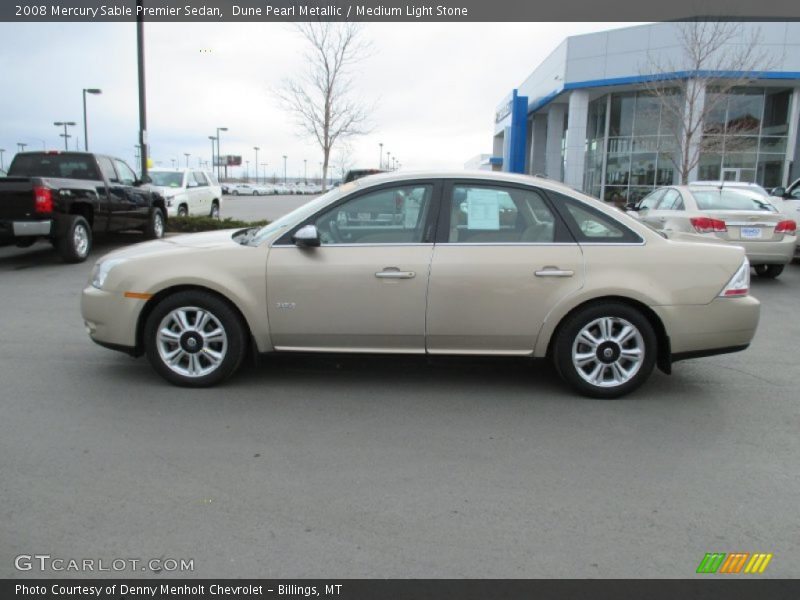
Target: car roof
(498, 176)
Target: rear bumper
(723, 325)
(12, 229)
(769, 253)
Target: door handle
(554, 272)
(394, 273)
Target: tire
(255, 193)
(76, 243)
(768, 271)
(619, 372)
(197, 365)
(234, 193)
(154, 230)
(183, 211)
(214, 214)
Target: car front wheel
(605, 350)
(154, 229)
(769, 271)
(194, 339)
(214, 210)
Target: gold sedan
(436, 263)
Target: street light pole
(85, 123)
(305, 171)
(247, 171)
(2, 168)
(256, 148)
(219, 155)
(65, 135)
(388, 161)
(21, 147)
(284, 169)
(213, 139)
(138, 156)
(265, 171)
(142, 90)
(380, 156)
(187, 155)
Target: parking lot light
(256, 148)
(94, 91)
(65, 135)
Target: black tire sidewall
(214, 206)
(769, 271)
(562, 350)
(227, 316)
(183, 211)
(64, 244)
(150, 229)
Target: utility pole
(65, 135)
(284, 169)
(142, 90)
(380, 156)
(85, 124)
(256, 148)
(187, 155)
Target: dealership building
(588, 116)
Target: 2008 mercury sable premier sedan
(441, 263)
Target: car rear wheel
(605, 350)
(194, 339)
(154, 229)
(76, 243)
(769, 271)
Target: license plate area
(751, 233)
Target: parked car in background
(281, 189)
(736, 185)
(66, 197)
(739, 216)
(187, 191)
(249, 189)
(568, 278)
(788, 201)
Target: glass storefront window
(770, 169)
(665, 174)
(622, 107)
(739, 160)
(776, 112)
(709, 167)
(618, 169)
(773, 144)
(745, 109)
(647, 114)
(643, 169)
(617, 195)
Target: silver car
(734, 215)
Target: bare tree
(322, 99)
(715, 58)
(343, 161)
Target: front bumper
(111, 318)
(724, 323)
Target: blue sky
(435, 87)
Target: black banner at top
(392, 10)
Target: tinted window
(390, 215)
(485, 214)
(107, 168)
(199, 178)
(729, 200)
(591, 225)
(126, 174)
(67, 166)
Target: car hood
(164, 190)
(176, 244)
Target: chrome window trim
(369, 245)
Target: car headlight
(102, 269)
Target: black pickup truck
(66, 197)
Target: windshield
(729, 200)
(297, 215)
(166, 178)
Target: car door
(194, 193)
(136, 199)
(116, 201)
(364, 288)
(503, 259)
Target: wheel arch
(151, 304)
(664, 352)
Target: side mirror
(780, 192)
(632, 206)
(306, 237)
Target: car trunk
(16, 198)
(748, 225)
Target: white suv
(187, 191)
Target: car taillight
(787, 226)
(739, 284)
(42, 199)
(708, 225)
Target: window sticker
(483, 210)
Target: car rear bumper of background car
(724, 325)
(111, 318)
(769, 253)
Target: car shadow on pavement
(42, 253)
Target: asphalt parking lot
(254, 208)
(387, 466)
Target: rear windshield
(166, 178)
(67, 166)
(729, 200)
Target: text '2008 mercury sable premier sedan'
(442, 263)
